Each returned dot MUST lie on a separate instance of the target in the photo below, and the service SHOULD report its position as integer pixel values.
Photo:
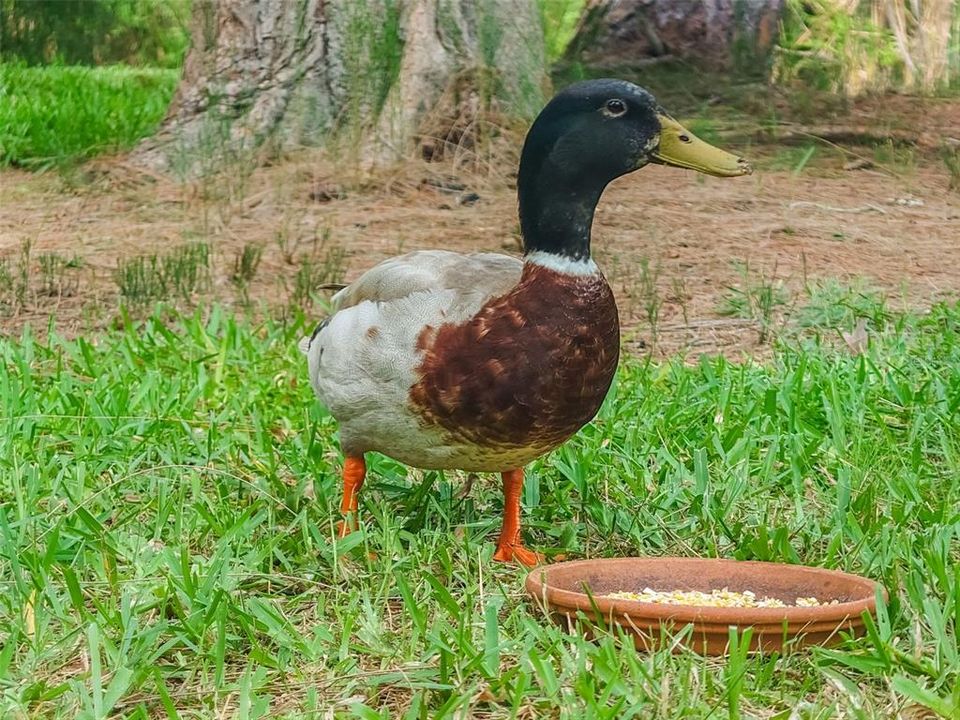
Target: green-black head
(590, 133)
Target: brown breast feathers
(530, 369)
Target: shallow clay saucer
(560, 590)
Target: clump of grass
(21, 284)
(55, 279)
(6, 280)
(951, 160)
(186, 268)
(284, 236)
(16, 274)
(832, 304)
(139, 279)
(650, 297)
(794, 159)
(681, 295)
(757, 297)
(315, 271)
(896, 155)
(245, 266)
(148, 278)
(56, 115)
(218, 163)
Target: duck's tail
(304, 344)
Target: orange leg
(510, 546)
(354, 471)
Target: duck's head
(589, 134)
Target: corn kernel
(714, 598)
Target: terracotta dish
(560, 590)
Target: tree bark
(718, 34)
(300, 72)
(461, 57)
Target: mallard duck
(484, 362)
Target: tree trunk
(718, 34)
(300, 72)
(462, 58)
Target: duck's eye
(614, 108)
(684, 138)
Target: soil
(672, 243)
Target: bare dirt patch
(669, 241)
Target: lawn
(170, 487)
(59, 114)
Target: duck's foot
(524, 556)
(354, 471)
(509, 545)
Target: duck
(484, 362)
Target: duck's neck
(556, 213)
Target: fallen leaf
(858, 339)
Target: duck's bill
(681, 148)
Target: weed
(219, 167)
(832, 304)
(802, 162)
(896, 155)
(285, 237)
(738, 646)
(245, 264)
(314, 272)
(55, 281)
(147, 278)
(6, 283)
(794, 159)
(680, 295)
(650, 297)
(140, 280)
(186, 268)
(951, 159)
(21, 286)
(754, 299)
(15, 279)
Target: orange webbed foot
(509, 546)
(523, 555)
(354, 472)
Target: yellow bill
(681, 148)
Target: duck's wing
(362, 359)
(472, 279)
(477, 274)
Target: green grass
(168, 492)
(180, 272)
(58, 114)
